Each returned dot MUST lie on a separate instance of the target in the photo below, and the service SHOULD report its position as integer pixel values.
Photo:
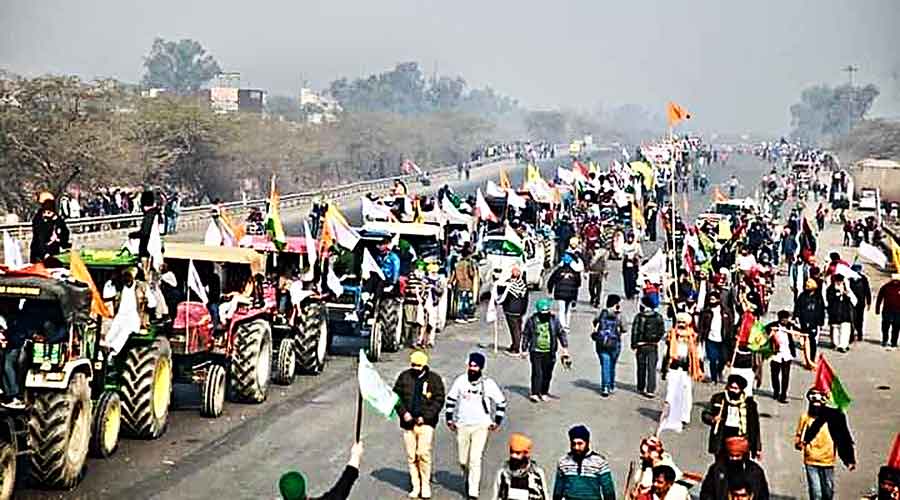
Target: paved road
(309, 426)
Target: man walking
(631, 261)
(823, 435)
(520, 478)
(839, 301)
(888, 305)
(785, 352)
(463, 280)
(647, 330)
(421, 394)
(514, 300)
(475, 407)
(542, 336)
(809, 310)
(583, 474)
(607, 336)
(597, 272)
(563, 284)
(732, 413)
(716, 329)
(731, 466)
(863, 293)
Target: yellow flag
(637, 216)
(533, 174)
(504, 179)
(80, 272)
(724, 229)
(895, 254)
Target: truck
(881, 175)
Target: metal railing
(92, 229)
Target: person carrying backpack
(607, 337)
(647, 329)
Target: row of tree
(825, 113)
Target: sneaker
(604, 393)
(414, 494)
(649, 395)
(535, 398)
(890, 348)
(545, 397)
(512, 354)
(15, 404)
(460, 320)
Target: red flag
(747, 321)
(581, 167)
(893, 460)
(828, 383)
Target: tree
(546, 125)
(182, 67)
(826, 112)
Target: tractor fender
(58, 380)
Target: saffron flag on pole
(504, 179)
(80, 272)
(828, 382)
(274, 228)
(676, 113)
(195, 284)
(895, 253)
(340, 229)
(374, 390)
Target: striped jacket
(590, 479)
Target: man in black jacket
(542, 336)
(839, 301)
(734, 465)
(732, 413)
(809, 311)
(292, 485)
(49, 233)
(647, 329)
(150, 214)
(863, 292)
(422, 395)
(563, 284)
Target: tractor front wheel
(212, 394)
(251, 361)
(105, 425)
(311, 339)
(8, 452)
(285, 362)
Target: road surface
(309, 426)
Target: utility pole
(850, 69)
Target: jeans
(781, 378)
(608, 360)
(514, 322)
(10, 372)
(859, 314)
(716, 356)
(629, 277)
(647, 356)
(465, 304)
(565, 310)
(820, 482)
(595, 287)
(542, 364)
(890, 323)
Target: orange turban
(519, 443)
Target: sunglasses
(416, 365)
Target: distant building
(318, 107)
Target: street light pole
(850, 69)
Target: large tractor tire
(390, 317)
(59, 431)
(311, 339)
(212, 393)
(105, 425)
(8, 462)
(146, 390)
(375, 343)
(285, 362)
(251, 361)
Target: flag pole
(496, 335)
(359, 407)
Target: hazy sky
(737, 66)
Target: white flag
(310, 251)
(482, 209)
(369, 265)
(493, 190)
(655, 268)
(374, 390)
(375, 211)
(845, 271)
(869, 252)
(565, 175)
(491, 314)
(213, 236)
(194, 283)
(333, 282)
(453, 214)
(514, 200)
(154, 246)
(12, 252)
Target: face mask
(474, 375)
(544, 316)
(734, 395)
(517, 463)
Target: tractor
(224, 345)
(299, 329)
(63, 371)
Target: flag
(724, 230)
(482, 209)
(532, 173)
(512, 237)
(491, 314)
(565, 175)
(758, 341)
(504, 179)
(274, 228)
(514, 200)
(676, 113)
(580, 171)
(872, 254)
(369, 265)
(333, 282)
(645, 171)
(12, 251)
(339, 229)
(655, 267)
(718, 196)
(893, 460)
(234, 232)
(375, 211)
(154, 246)
(453, 214)
(637, 217)
(747, 322)
(374, 390)
(311, 254)
(80, 272)
(494, 191)
(895, 253)
(418, 216)
(194, 283)
(213, 236)
(828, 382)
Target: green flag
(374, 390)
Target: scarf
(687, 334)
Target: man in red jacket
(889, 299)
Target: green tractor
(62, 369)
(141, 370)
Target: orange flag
(504, 180)
(718, 195)
(80, 272)
(676, 113)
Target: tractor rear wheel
(59, 431)
(212, 393)
(311, 339)
(251, 361)
(285, 362)
(105, 425)
(8, 459)
(390, 317)
(146, 389)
